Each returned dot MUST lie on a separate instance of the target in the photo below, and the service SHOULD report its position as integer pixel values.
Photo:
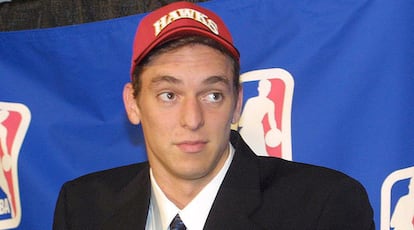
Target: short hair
(178, 43)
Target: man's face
(186, 106)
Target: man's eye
(214, 97)
(167, 96)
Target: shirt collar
(195, 214)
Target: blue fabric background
(353, 105)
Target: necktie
(177, 224)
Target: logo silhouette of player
(251, 121)
(5, 160)
(403, 216)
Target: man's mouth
(191, 146)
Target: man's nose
(192, 116)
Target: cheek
(220, 121)
(154, 121)
(158, 121)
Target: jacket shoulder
(296, 171)
(113, 177)
(88, 201)
(326, 198)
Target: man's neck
(181, 191)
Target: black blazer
(257, 193)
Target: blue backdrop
(352, 63)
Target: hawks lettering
(184, 13)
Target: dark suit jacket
(257, 193)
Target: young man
(185, 93)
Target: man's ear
(238, 108)
(130, 104)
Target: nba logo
(397, 200)
(265, 120)
(14, 121)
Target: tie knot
(177, 224)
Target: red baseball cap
(176, 20)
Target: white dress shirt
(162, 211)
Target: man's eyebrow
(165, 78)
(217, 79)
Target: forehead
(189, 50)
(196, 59)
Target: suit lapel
(131, 205)
(239, 195)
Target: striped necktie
(177, 224)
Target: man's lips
(191, 146)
